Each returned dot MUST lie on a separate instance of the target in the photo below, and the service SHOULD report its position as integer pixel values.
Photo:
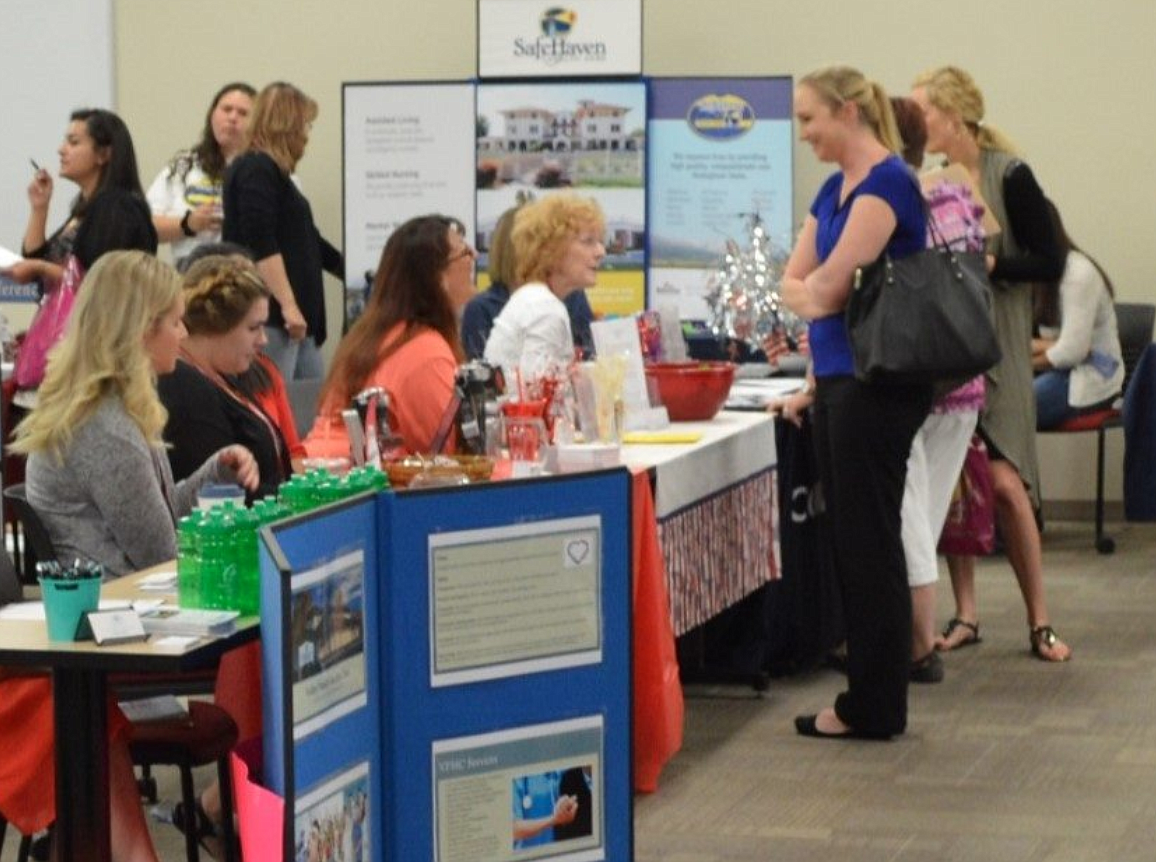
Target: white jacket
(1088, 343)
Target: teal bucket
(66, 603)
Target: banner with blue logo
(719, 150)
(544, 39)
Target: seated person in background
(479, 314)
(406, 340)
(99, 479)
(558, 249)
(226, 306)
(1079, 364)
(262, 382)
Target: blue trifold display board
(497, 634)
(318, 729)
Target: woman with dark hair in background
(185, 197)
(1026, 250)
(406, 341)
(109, 213)
(1077, 355)
(267, 214)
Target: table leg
(82, 805)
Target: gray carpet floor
(1007, 760)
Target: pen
(35, 166)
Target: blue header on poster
(674, 99)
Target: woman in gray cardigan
(99, 478)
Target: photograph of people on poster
(331, 823)
(533, 792)
(588, 138)
(328, 641)
(720, 152)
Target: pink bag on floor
(970, 526)
(47, 326)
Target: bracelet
(186, 229)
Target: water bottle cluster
(217, 560)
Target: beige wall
(1070, 81)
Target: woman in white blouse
(558, 248)
(1077, 353)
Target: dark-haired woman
(185, 197)
(1078, 355)
(406, 341)
(109, 213)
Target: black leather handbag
(924, 318)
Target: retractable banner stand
(408, 151)
(322, 683)
(508, 664)
(720, 153)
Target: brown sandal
(971, 633)
(1044, 637)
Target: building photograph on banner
(331, 820)
(328, 642)
(506, 601)
(586, 138)
(531, 792)
(720, 166)
(408, 151)
(583, 38)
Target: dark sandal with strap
(1044, 637)
(972, 637)
(203, 827)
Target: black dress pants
(863, 435)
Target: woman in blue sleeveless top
(863, 432)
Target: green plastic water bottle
(245, 524)
(189, 560)
(218, 560)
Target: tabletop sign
(581, 39)
(116, 627)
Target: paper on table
(757, 394)
(35, 610)
(164, 581)
(647, 438)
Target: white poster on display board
(409, 151)
(536, 39)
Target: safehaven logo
(554, 44)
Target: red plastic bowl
(692, 391)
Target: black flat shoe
(806, 725)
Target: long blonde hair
(955, 92)
(838, 85)
(122, 298)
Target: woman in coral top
(406, 341)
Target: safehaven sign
(568, 39)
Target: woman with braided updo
(226, 306)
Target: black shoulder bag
(924, 318)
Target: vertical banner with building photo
(720, 150)
(570, 39)
(408, 152)
(589, 138)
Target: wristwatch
(186, 229)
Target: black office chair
(1135, 324)
(11, 590)
(206, 736)
(37, 544)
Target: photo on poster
(327, 625)
(720, 152)
(534, 792)
(331, 820)
(589, 138)
(507, 601)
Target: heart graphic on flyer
(577, 550)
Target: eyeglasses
(464, 251)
